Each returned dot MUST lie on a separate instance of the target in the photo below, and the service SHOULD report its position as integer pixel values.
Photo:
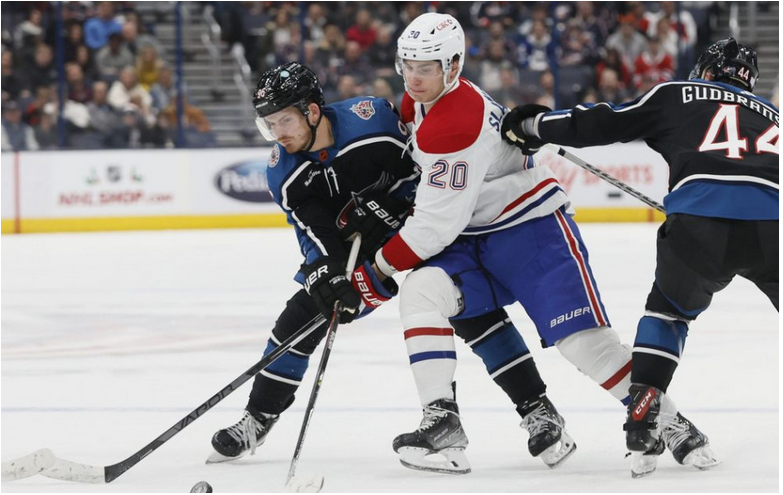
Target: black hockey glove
(512, 132)
(326, 283)
(376, 217)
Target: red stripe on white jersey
(526, 196)
(430, 331)
(580, 261)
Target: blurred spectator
(590, 96)
(113, 57)
(291, 50)
(148, 67)
(682, 23)
(653, 63)
(85, 60)
(382, 89)
(537, 51)
(124, 90)
(156, 135)
(105, 120)
(17, 135)
(362, 31)
(281, 32)
(78, 89)
(610, 89)
(314, 22)
(546, 96)
(627, 40)
(13, 84)
(42, 72)
(668, 37)
(29, 32)
(46, 133)
(485, 13)
(644, 21)
(592, 27)
(347, 87)
(135, 41)
(355, 64)
(165, 90)
(497, 33)
(577, 46)
(73, 41)
(36, 109)
(492, 65)
(383, 52)
(613, 60)
(510, 93)
(198, 132)
(332, 46)
(540, 13)
(98, 29)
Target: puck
(201, 487)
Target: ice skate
(235, 441)
(688, 445)
(548, 438)
(642, 433)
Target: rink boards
(68, 191)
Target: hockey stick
(608, 178)
(63, 469)
(315, 483)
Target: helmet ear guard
(728, 61)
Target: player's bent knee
(429, 290)
(597, 352)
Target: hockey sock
(657, 350)
(274, 387)
(433, 359)
(508, 360)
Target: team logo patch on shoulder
(363, 109)
(275, 156)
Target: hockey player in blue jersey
(328, 159)
(721, 144)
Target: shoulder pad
(454, 123)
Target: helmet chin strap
(313, 130)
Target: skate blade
(447, 461)
(642, 465)
(312, 484)
(701, 458)
(559, 452)
(217, 458)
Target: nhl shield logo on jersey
(275, 156)
(363, 109)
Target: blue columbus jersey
(721, 144)
(316, 190)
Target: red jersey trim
(454, 123)
(407, 111)
(525, 196)
(399, 255)
(428, 331)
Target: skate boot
(235, 441)
(688, 445)
(548, 438)
(641, 429)
(438, 444)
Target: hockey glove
(513, 132)
(370, 288)
(326, 283)
(377, 217)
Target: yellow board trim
(261, 220)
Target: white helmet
(433, 36)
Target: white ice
(108, 339)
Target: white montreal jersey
(472, 182)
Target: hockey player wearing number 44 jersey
(721, 144)
(489, 229)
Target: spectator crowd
(120, 93)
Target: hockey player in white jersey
(489, 229)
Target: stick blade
(312, 484)
(66, 470)
(28, 465)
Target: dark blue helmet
(730, 62)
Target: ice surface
(110, 338)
